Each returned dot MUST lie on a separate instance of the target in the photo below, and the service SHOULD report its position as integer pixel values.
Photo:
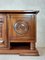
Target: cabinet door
(22, 27)
(3, 31)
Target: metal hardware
(1, 41)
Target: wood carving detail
(1, 26)
(18, 32)
(21, 27)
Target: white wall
(29, 5)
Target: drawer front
(22, 26)
(3, 34)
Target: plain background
(27, 5)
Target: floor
(17, 57)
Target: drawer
(3, 31)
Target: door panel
(22, 26)
(3, 31)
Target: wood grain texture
(20, 52)
(3, 35)
(26, 20)
(31, 23)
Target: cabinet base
(21, 52)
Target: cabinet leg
(32, 46)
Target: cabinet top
(20, 11)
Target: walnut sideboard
(18, 32)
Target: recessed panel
(3, 31)
(22, 27)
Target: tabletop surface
(20, 11)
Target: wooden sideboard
(18, 32)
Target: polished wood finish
(19, 11)
(31, 22)
(21, 41)
(20, 52)
(3, 32)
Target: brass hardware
(1, 41)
